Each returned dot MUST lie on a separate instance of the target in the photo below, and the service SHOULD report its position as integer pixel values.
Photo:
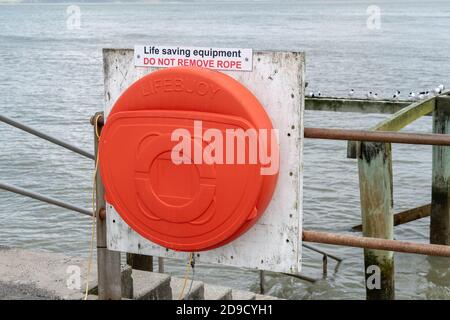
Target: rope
(94, 196)
(193, 275)
(186, 273)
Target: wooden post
(108, 262)
(375, 182)
(140, 262)
(440, 202)
(324, 266)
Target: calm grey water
(51, 78)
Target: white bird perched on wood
(375, 96)
(441, 86)
(311, 94)
(424, 95)
(412, 95)
(437, 91)
(319, 94)
(396, 95)
(351, 93)
(369, 94)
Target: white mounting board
(274, 242)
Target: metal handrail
(376, 243)
(378, 136)
(35, 195)
(40, 197)
(47, 137)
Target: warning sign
(176, 56)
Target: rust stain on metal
(377, 244)
(378, 136)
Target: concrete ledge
(243, 295)
(23, 291)
(126, 283)
(27, 274)
(213, 292)
(197, 291)
(265, 297)
(41, 275)
(151, 286)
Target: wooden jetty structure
(371, 148)
(374, 154)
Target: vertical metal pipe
(261, 282)
(108, 262)
(375, 183)
(160, 264)
(324, 266)
(440, 195)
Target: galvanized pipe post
(262, 280)
(324, 266)
(108, 262)
(440, 196)
(375, 183)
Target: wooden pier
(371, 148)
(376, 176)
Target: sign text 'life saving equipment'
(232, 59)
(189, 158)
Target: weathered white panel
(273, 243)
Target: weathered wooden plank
(140, 262)
(407, 115)
(108, 262)
(398, 121)
(375, 182)
(406, 216)
(440, 196)
(355, 105)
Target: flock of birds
(413, 96)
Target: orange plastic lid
(194, 205)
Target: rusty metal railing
(376, 243)
(45, 136)
(372, 148)
(34, 195)
(378, 136)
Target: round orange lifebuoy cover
(166, 165)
